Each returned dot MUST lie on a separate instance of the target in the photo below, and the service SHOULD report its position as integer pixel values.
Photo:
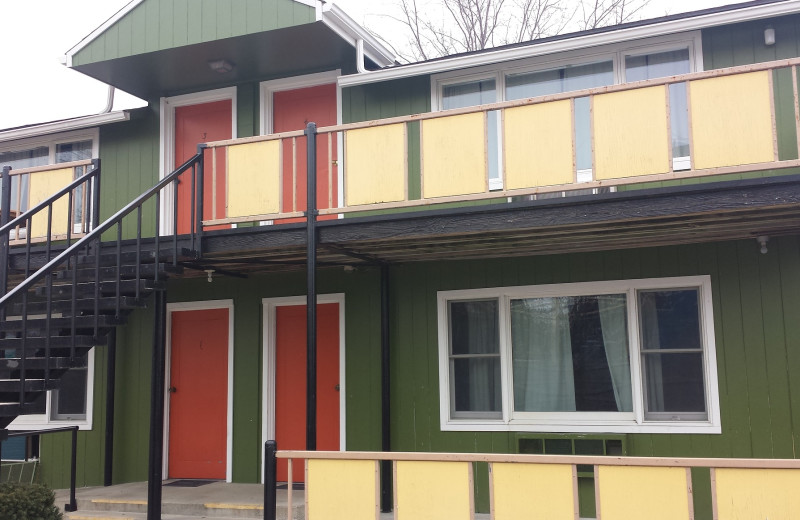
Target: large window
(608, 65)
(622, 356)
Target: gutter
(64, 126)
(490, 57)
(350, 31)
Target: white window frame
(614, 52)
(44, 421)
(581, 422)
(52, 140)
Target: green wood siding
(156, 25)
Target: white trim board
(55, 127)
(198, 306)
(576, 42)
(268, 353)
(166, 158)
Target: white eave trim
(63, 126)
(590, 40)
(350, 31)
(100, 30)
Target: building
(595, 251)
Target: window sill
(705, 427)
(24, 423)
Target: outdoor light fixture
(762, 241)
(221, 66)
(210, 273)
(769, 36)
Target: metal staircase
(62, 297)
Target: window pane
(69, 401)
(674, 379)
(679, 120)
(670, 319)
(583, 134)
(657, 65)
(78, 151)
(556, 81)
(674, 384)
(571, 354)
(474, 327)
(473, 93)
(477, 384)
(25, 158)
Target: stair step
(62, 324)
(82, 305)
(129, 257)
(31, 385)
(126, 288)
(126, 272)
(63, 342)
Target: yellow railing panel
(630, 133)
(254, 173)
(454, 155)
(376, 165)
(538, 145)
(543, 491)
(744, 494)
(42, 186)
(731, 120)
(626, 492)
(342, 490)
(433, 490)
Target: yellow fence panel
(342, 490)
(731, 120)
(755, 494)
(625, 492)
(254, 179)
(376, 164)
(538, 145)
(630, 133)
(42, 186)
(454, 155)
(433, 490)
(533, 491)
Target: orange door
(198, 396)
(292, 110)
(195, 124)
(290, 381)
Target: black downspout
(157, 407)
(386, 436)
(111, 381)
(311, 287)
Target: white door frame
(268, 88)
(167, 144)
(268, 344)
(200, 306)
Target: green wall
(156, 25)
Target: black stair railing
(92, 279)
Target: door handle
(336, 387)
(172, 389)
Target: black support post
(270, 480)
(5, 218)
(386, 439)
(199, 206)
(111, 378)
(73, 472)
(311, 287)
(157, 407)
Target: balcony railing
(345, 485)
(439, 157)
(66, 218)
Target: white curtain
(483, 337)
(542, 355)
(650, 341)
(615, 340)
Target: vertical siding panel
(247, 363)
(402, 359)
(285, 13)
(790, 300)
(224, 15)
(111, 42)
(166, 30)
(209, 21)
(776, 358)
(732, 334)
(753, 329)
(180, 22)
(152, 26)
(138, 30)
(269, 16)
(238, 18)
(194, 23)
(125, 36)
(253, 16)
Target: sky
(37, 33)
